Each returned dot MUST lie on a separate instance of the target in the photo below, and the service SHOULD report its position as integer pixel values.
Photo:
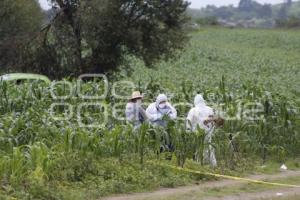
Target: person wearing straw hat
(134, 111)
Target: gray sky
(198, 3)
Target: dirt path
(188, 190)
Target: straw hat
(136, 95)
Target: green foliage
(207, 21)
(19, 18)
(291, 22)
(151, 30)
(18, 21)
(41, 157)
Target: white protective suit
(135, 114)
(155, 113)
(196, 117)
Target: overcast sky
(198, 3)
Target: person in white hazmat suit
(203, 116)
(160, 108)
(157, 113)
(134, 111)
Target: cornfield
(235, 70)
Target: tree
(289, 2)
(95, 35)
(19, 20)
(265, 11)
(246, 5)
(282, 13)
(224, 12)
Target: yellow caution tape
(226, 176)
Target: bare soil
(181, 191)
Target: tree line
(247, 10)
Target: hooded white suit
(196, 117)
(155, 113)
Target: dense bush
(291, 22)
(212, 21)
